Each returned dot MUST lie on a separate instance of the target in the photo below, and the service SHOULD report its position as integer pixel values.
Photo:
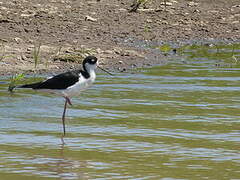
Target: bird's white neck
(92, 74)
(90, 68)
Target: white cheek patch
(91, 66)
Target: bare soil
(68, 30)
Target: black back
(61, 81)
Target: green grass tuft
(36, 57)
(14, 79)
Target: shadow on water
(179, 120)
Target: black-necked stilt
(70, 83)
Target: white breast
(80, 86)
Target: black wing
(61, 81)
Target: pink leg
(63, 117)
(68, 100)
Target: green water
(176, 121)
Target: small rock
(187, 29)
(235, 22)
(131, 53)
(29, 49)
(147, 10)
(108, 52)
(149, 21)
(123, 70)
(192, 3)
(122, 9)
(117, 50)
(85, 29)
(102, 63)
(237, 15)
(175, 24)
(25, 15)
(3, 8)
(23, 57)
(164, 22)
(173, 1)
(166, 3)
(28, 13)
(99, 51)
(89, 3)
(196, 11)
(236, 6)
(89, 18)
(29, 56)
(17, 39)
(19, 58)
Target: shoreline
(111, 33)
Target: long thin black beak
(105, 71)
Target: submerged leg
(67, 101)
(63, 117)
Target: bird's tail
(31, 86)
(28, 85)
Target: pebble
(149, 21)
(108, 52)
(166, 3)
(17, 39)
(192, 3)
(89, 18)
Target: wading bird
(68, 84)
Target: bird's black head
(90, 60)
(90, 63)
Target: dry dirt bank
(70, 29)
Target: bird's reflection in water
(64, 167)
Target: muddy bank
(68, 30)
